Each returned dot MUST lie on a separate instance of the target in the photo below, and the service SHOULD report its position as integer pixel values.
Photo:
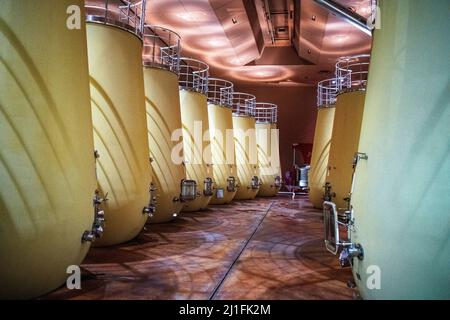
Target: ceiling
(291, 42)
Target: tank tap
(349, 252)
(359, 156)
(328, 195)
(151, 208)
(99, 219)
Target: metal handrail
(162, 48)
(352, 72)
(194, 75)
(327, 91)
(220, 92)
(124, 14)
(266, 112)
(244, 104)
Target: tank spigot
(359, 156)
(256, 183)
(350, 252)
(88, 236)
(148, 211)
(231, 184)
(99, 219)
(208, 187)
(328, 195)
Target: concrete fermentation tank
(161, 69)
(114, 30)
(220, 115)
(351, 78)
(244, 127)
(193, 84)
(267, 139)
(47, 167)
(398, 240)
(326, 100)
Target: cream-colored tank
(268, 149)
(163, 119)
(344, 145)
(120, 130)
(194, 117)
(401, 200)
(220, 115)
(47, 166)
(244, 127)
(326, 99)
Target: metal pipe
(355, 19)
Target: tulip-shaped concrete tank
(244, 127)
(326, 99)
(193, 83)
(401, 200)
(351, 73)
(161, 69)
(220, 114)
(268, 149)
(47, 166)
(118, 109)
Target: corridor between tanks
(261, 249)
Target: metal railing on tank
(266, 112)
(220, 92)
(327, 91)
(194, 75)
(352, 73)
(244, 104)
(162, 48)
(127, 15)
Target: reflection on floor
(261, 249)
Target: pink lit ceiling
(233, 37)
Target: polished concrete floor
(260, 249)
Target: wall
(296, 114)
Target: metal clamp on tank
(188, 191)
(124, 14)
(151, 208)
(332, 237)
(208, 187)
(255, 183)
(99, 220)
